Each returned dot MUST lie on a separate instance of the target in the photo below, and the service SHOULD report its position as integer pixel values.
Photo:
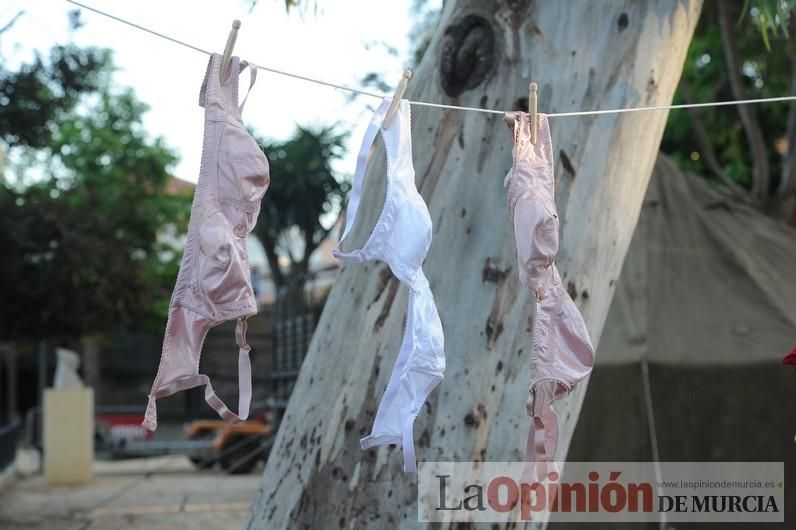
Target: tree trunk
(584, 55)
(761, 177)
(91, 361)
(290, 296)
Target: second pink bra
(214, 282)
(562, 351)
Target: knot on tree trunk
(468, 54)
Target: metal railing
(8, 443)
(292, 338)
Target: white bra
(401, 238)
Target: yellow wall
(68, 435)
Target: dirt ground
(153, 493)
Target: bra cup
(427, 332)
(254, 175)
(243, 178)
(244, 173)
(213, 238)
(567, 354)
(223, 275)
(410, 238)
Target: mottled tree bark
(584, 55)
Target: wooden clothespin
(396, 99)
(532, 98)
(233, 36)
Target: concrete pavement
(153, 493)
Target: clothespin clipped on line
(233, 36)
(532, 98)
(396, 99)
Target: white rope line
(440, 105)
(454, 107)
(674, 107)
(196, 48)
(142, 28)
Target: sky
(338, 41)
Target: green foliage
(765, 73)
(769, 17)
(303, 192)
(81, 242)
(44, 91)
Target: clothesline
(440, 105)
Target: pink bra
(214, 282)
(562, 351)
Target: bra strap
(253, 77)
(408, 444)
(244, 369)
(362, 162)
(244, 381)
(244, 384)
(542, 441)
